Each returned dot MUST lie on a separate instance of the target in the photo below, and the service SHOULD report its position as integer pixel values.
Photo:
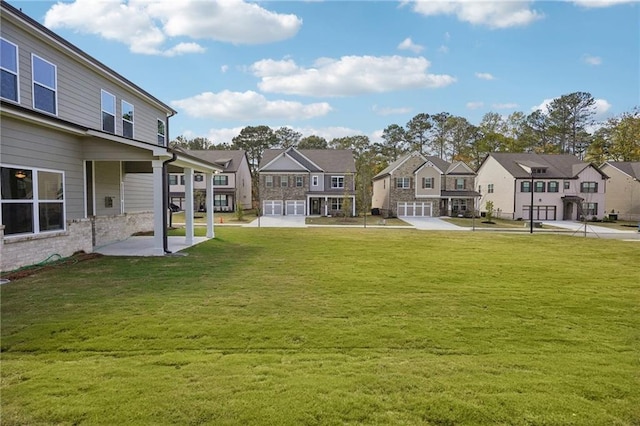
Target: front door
(568, 211)
(315, 206)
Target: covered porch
(144, 246)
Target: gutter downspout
(165, 201)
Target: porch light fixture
(20, 174)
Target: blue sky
(337, 68)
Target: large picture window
(589, 187)
(44, 85)
(32, 200)
(127, 120)
(108, 108)
(9, 70)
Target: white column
(208, 177)
(158, 210)
(353, 206)
(188, 210)
(326, 207)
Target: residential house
(623, 189)
(231, 187)
(307, 182)
(419, 185)
(84, 150)
(561, 186)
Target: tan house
(623, 189)
(563, 187)
(231, 186)
(418, 185)
(84, 150)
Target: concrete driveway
(278, 222)
(578, 227)
(431, 224)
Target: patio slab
(143, 246)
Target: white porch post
(188, 211)
(158, 210)
(353, 206)
(209, 203)
(449, 206)
(326, 206)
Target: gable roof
(559, 166)
(315, 160)
(442, 165)
(229, 160)
(631, 168)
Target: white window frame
(35, 201)
(403, 182)
(314, 180)
(127, 121)
(337, 182)
(103, 110)
(53, 89)
(162, 137)
(460, 187)
(220, 180)
(489, 188)
(428, 183)
(268, 181)
(299, 181)
(15, 73)
(337, 203)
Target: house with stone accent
(307, 182)
(560, 186)
(231, 186)
(623, 189)
(84, 150)
(419, 185)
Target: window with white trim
(108, 108)
(268, 181)
(336, 203)
(403, 182)
(490, 188)
(525, 186)
(284, 181)
(428, 182)
(220, 200)
(590, 209)
(299, 181)
(460, 183)
(32, 200)
(44, 85)
(162, 136)
(9, 70)
(221, 180)
(314, 180)
(127, 119)
(173, 179)
(337, 182)
(198, 177)
(567, 185)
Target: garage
(295, 207)
(272, 208)
(414, 208)
(540, 212)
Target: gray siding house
(420, 186)
(84, 150)
(307, 182)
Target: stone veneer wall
(399, 194)
(81, 235)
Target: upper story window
(538, 171)
(221, 180)
(161, 132)
(44, 85)
(589, 187)
(314, 180)
(9, 70)
(127, 120)
(539, 186)
(108, 108)
(567, 185)
(490, 188)
(403, 182)
(460, 183)
(284, 181)
(552, 186)
(337, 182)
(173, 179)
(268, 181)
(428, 182)
(32, 200)
(299, 181)
(525, 186)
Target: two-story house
(561, 185)
(623, 189)
(84, 150)
(231, 186)
(418, 185)
(307, 182)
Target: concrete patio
(143, 246)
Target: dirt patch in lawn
(47, 265)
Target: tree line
(567, 126)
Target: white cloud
(601, 3)
(248, 105)
(492, 13)
(475, 105)
(592, 60)
(328, 132)
(408, 44)
(505, 106)
(146, 26)
(390, 111)
(224, 68)
(601, 107)
(485, 76)
(224, 135)
(349, 75)
(544, 106)
(443, 49)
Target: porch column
(353, 206)
(208, 177)
(158, 210)
(326, 206)
(188, 210)
(449, 206)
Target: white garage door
(295, 207)
(418, 209)
(272, 208)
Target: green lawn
(355, 221)
(331, 326)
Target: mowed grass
(332, 326)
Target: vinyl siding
(503, 196)
(107, 185)
(138, 192)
